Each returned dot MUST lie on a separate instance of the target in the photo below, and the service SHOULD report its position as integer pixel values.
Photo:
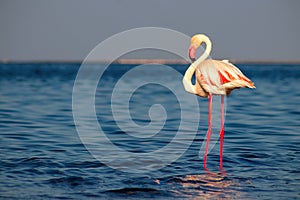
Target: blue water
(42, 156)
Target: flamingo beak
(192, 53)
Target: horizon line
(151, 61)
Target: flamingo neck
(187, 79)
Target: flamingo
(213, 77)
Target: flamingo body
(219, 78)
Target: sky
(69, 29)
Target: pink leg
(209, 128)
(222, 132)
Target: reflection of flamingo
(212, 77)
(203, 186)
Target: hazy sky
(70, 29)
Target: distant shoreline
(146, 61)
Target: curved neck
(187, 79)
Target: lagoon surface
(43, 156)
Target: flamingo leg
(209, 128)
(222, 132)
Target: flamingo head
(196, 41)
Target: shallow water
(42, 156)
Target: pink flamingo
(212, 77)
